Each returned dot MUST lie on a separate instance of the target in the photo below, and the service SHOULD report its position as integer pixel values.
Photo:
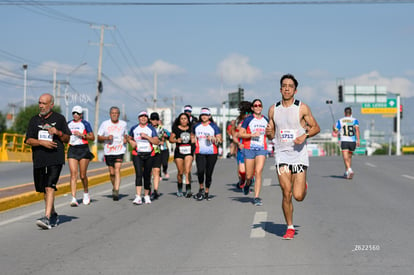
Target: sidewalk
(23, 194)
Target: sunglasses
(76, 113)
(257, 105)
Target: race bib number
(143, 146)
(44, 135)
(287, 135)
(185, 149)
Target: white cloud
(164, 68)
(400, 85)
(235, 69)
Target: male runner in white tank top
(290, 124)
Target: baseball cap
(205, 111)
(143, 113)
(155, 116)
(188, 108)
(77, 109)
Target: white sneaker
(137, 200)
(147, 199)
(74, 202)
(86, 199)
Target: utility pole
(24, 85)
(99, 87)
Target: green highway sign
(389, 107)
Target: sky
(201, 53)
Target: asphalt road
(15, 173)
(359, 226)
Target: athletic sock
(180, 186)
(290, 227)
(188, 187)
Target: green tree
(23, 117)
(3, 125)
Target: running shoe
(188, 194)
(241, 184)
(246, 189)
(147, 199)
(166, 176)
(346, 175)
(257, 202)
(137, 200)
(115, 195)
(44, 223)
(74, 202)
(290, 233)
(154, 195)
(199, 196)
(54, 219)
(350, 174)
(207, 197)
(179, 194)
(86, 199)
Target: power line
(206, 3)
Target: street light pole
(24, 85)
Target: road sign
(389, 107)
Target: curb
(63, 188)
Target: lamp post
(24, 85)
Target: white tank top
(287, 128)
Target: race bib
(143, 146)
(185, 149)
(44, 135)
(287, 135)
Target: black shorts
(348, 146)
(157, 160)
(79, 152)
(47, 176)
(293, 168)
(179, 155)
(110, 160)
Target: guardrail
(13, 148)
(407, 149)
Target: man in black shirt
(46, 133)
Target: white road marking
(66, 203)
(408, 177)
(370, 164)
(267, 182)
(258, 226)
(272, 167)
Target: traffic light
(395, 124)
(340, 94)
(401, 111)
(241, 94)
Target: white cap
(205, 111)
(77, 109)
(143, 113)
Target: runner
(208, 136)
(291, 123)
(113, 133)
(46, 133)
(156, 166)
(253, 133)
(79, 154)
(349, 136)
(143, 137)
(245, 109)
(183, 154)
